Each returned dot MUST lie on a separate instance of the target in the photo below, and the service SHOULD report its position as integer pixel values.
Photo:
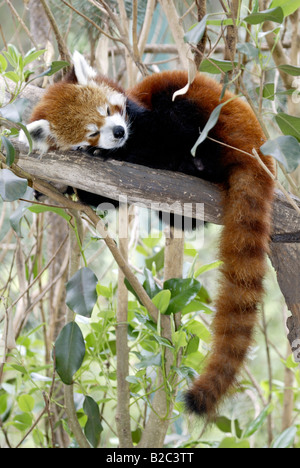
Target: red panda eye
(94, 134)
(108, 111)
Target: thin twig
(40, 273)
(270, 378)
(20, 21)
(102, 31)
(123, 391)
(42, 412)
(63, 50)
(280, 186)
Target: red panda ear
(41, 136)
(83, 72)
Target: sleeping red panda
(146, 127)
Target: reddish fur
(247, 203)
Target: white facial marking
(102, 111)
(107, 139)
(92, 128)
(117, 99)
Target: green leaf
(268, 91)
(183, 291)
(192, 345)
(290, 69)
(213, 118)
(216, 66)
(258, 422)
(284, 149)
(104, 291)
(136, 435)
(195, 34)
(162, 341)
(195, 360)
(26, 403)
(81, 292)
(16, 217)
(3, 403)
(12, 187)
(290, 362)
(209, 266)
(69, 352)
(93, 426)
(3, 64)
(162, 300)
(285, 439)
(28, 136)
(199, 329)
(225, 425)
(220, 22)
(196, 306)
(179, 339)
(54, 68)
(150, 286)
(273, 14)
(9, 149)
(289, 125)
(248, 49)
(12, 54)
(32, 55)
(232, 442)
(158, 259)
(22, 421)
(288, 6)
(13, 76)
(43, 208)
(152, 360)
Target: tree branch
(64, 53)
(159, 419)
(123, 399)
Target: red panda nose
(118, 131)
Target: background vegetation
(51, 256)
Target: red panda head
(89, 112)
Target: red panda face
(112, 132)
(71, 115)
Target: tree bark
(123, 392)
(159, 419)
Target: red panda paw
(40, 134)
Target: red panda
(145, 126)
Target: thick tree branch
(143, 186)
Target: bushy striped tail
(247, 205)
